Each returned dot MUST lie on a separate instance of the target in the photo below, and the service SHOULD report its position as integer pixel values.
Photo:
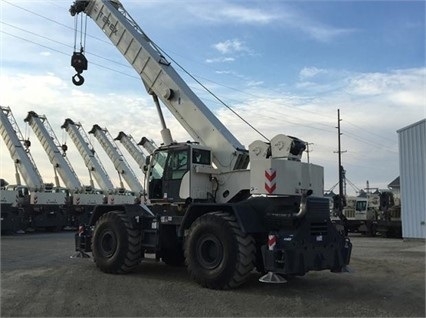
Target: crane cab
(179, 172)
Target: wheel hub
(209, 251)
(108, 243)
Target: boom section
(117, 158)
(87, 152)
(161, 79)
(19, 150)
(132, 148)
(148, 145)
(51, 145)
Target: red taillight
(80, 230)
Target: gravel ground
(38, 278)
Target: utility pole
(341, 170)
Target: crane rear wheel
(217, 253)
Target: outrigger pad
(272, 278)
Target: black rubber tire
(116, 245)
(218, 254)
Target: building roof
(412, 125)
(394, 184)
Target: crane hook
(77, 79)
(79, 62)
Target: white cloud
(230, 46)
(309, 72)
(224, 12)
(247, 15)
(392, 82)
(255, 83)
(220, 60)
(324, 33)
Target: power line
(368, 142)
(369, 131)
(195, 79)
(51, 20)
(281, 119)
(299, 121)
(61, 43)
(58, 51)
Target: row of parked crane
(36, 204)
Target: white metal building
(412, 169)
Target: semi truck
(218, 208)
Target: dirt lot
(38, 278)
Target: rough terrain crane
(208, 210)
(79, 137)
(135, 151)
(83, 198)
(132, 148)
(379, 212)
(44, 204)
(148, 145)
(13, 218)
(117, 158)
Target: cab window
(178, 164)
(201, 156)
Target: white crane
(219, 217)
(148, 144)
(84, 198)
(94, 165)
(133, 149)
(19, 151)
(105, 140)
(87, 151)
(47, 204)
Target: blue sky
(285, 66)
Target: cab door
(177, 166)
(169, 167)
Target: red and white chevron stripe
(270, 183)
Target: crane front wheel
(116, 245)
